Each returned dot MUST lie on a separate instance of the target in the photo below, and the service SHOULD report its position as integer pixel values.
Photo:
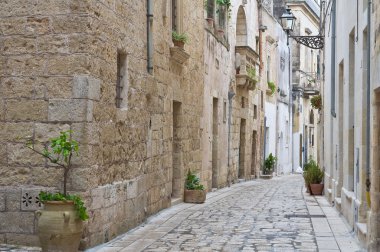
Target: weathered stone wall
(58, 71)
(373, 221)
(220, 80)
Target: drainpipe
(333, 44)
(260, 38)
(149, 17)
(231, 94)
(368, 171)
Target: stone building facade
(277, 135)
(345, 118)
(231, 116)
(61, 63)
(143, 110)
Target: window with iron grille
(121, 78)
(174, 16)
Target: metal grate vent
(305, 216)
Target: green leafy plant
(316, 102)
(60, 151)
(251, 73)
(312, 174)
(78, 202)
(272, 87)
(193, 182)
(269, 163)
(181, 37)
(310, 163)
(226, 3)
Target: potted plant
(316, 102)
(60, 223)
(180, 39)
(194, 191)
(272, 87)
(313, 178)
(251, 73)
(305, 169)
(269, 163)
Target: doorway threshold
(176, 201)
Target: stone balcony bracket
(307, 89)
(245, 81)
(179, 55)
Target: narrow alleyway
(261, 215)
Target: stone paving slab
(259, 215)
(249, 216)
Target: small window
(222, 16)
(224, 111)
(174, 16)
(210, 8)
(122, 80)
(254, 112)
(262, 100)
(268, 69)
(242, 102)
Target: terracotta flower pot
(59, 228)
(195, 196)
(179, 44)
(316, 189)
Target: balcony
(308, 89)
(247, 67)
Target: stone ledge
(350, 195)
(362, 228)
(179, 55)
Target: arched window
(241, 28)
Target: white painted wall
(270, 114)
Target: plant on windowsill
(313, 176)
(60, 223)
(251, 73)
(180, 39)
(316, 102)
(269, 163)
(272, 87)
(194, 191)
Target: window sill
(179, 55)
(218, 35)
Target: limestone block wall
(344, 135)
(59, 71)
(216, 110)
(245, 150)
(373, 222)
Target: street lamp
(288, 21)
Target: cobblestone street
(260, 215)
